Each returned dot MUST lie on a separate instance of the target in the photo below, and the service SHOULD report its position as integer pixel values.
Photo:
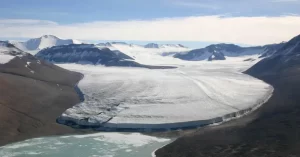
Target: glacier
(192, 95)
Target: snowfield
(5, 58)
(194, 94)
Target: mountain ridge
(222, 50)
(90, 54)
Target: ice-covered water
(92, 145)
(193, 94)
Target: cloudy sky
(192, 22)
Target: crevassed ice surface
(92, 145)
(195, 91)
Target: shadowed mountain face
(269, 50)
(273, 130)
(83, 53)
(286, 57)
(221, 51)
(90, 54)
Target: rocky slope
(287, 56)
(33, 94)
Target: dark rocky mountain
(269, 50)
(216, 56)
(287, 56)
(221, 51)
(90, 54)
(83, 53)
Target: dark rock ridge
(90, 54)
(156, 46)
(269, 50)
(221, 51)
(272, 130)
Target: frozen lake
(194, 94)
(92, 145)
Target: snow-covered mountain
(88, 54)
(36, 44)
(221, 51)
(8, 52)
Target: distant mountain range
(137, 52)
(90, 54)
(58, 50)
(156, 46)
(221, 51)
